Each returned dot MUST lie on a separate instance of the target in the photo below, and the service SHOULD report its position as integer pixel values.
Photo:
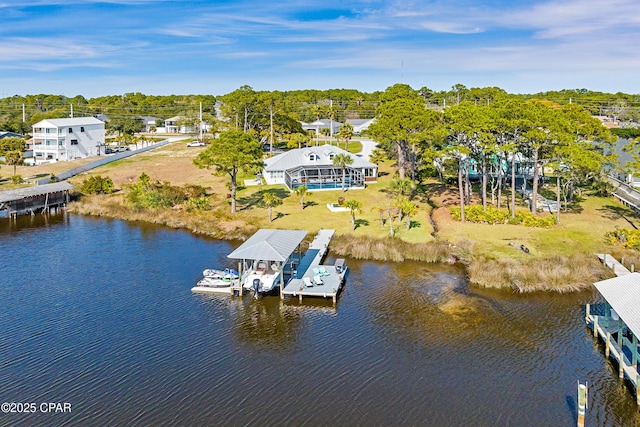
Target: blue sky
(94, 48)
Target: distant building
(319, 124)
(360, 125)
(149, 122)
(313, 167)
(67, 139)
(10, 135)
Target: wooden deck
(331, 283)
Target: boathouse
(268, 252)
(32, 200)
(618, 324)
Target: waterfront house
(313, 167)
(67, 139)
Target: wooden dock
(614, 264)
(617, 346)
(302, 283)
(618, 327)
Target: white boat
(263, 278)
(217, 280)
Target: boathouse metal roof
(269, 245)
(24, 193)
(623, 295)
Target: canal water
(99, 314)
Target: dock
(331, 277)
(617, 323)
(32, 200)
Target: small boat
(217, 280)
(263, 278)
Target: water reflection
(110, 324)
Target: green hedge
(492, 215)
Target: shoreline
(556, 273)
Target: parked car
(196, 144)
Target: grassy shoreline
(560, 259)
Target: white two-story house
(67, 139)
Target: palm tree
(346, 132)
(342, 160)
(402, 186)
(270, 200)
(301, 192)
(354, 206)
(408, 209)
(377, 156)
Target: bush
(630, 239)
(147, 194)
(198, 203)
(16, 179)
(476, 214)
(97, 185)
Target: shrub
(146, 194)
(97, 185)
(476, 214)
(630, 239)
(16, 179)
(198, 203)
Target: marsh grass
(555, 273)
(390, 249)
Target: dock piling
(607, 345)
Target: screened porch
(323, 177)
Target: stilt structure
(618, 324)
(32, 200)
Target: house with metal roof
(67, 139)
(318, 125)
(360, 125)
(313, 167)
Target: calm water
(99, 314)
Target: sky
(94, 48)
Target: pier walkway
(614, 264)
(302, 283)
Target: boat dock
(617, 323)
(31, 200)
(314, 279)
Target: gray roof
(74, 121)
(269, 245)
(7, 134)
(301, 157)
(23, 193)
(623, 294)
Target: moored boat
(217, 280)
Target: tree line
(253, 109)
(489, 139)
